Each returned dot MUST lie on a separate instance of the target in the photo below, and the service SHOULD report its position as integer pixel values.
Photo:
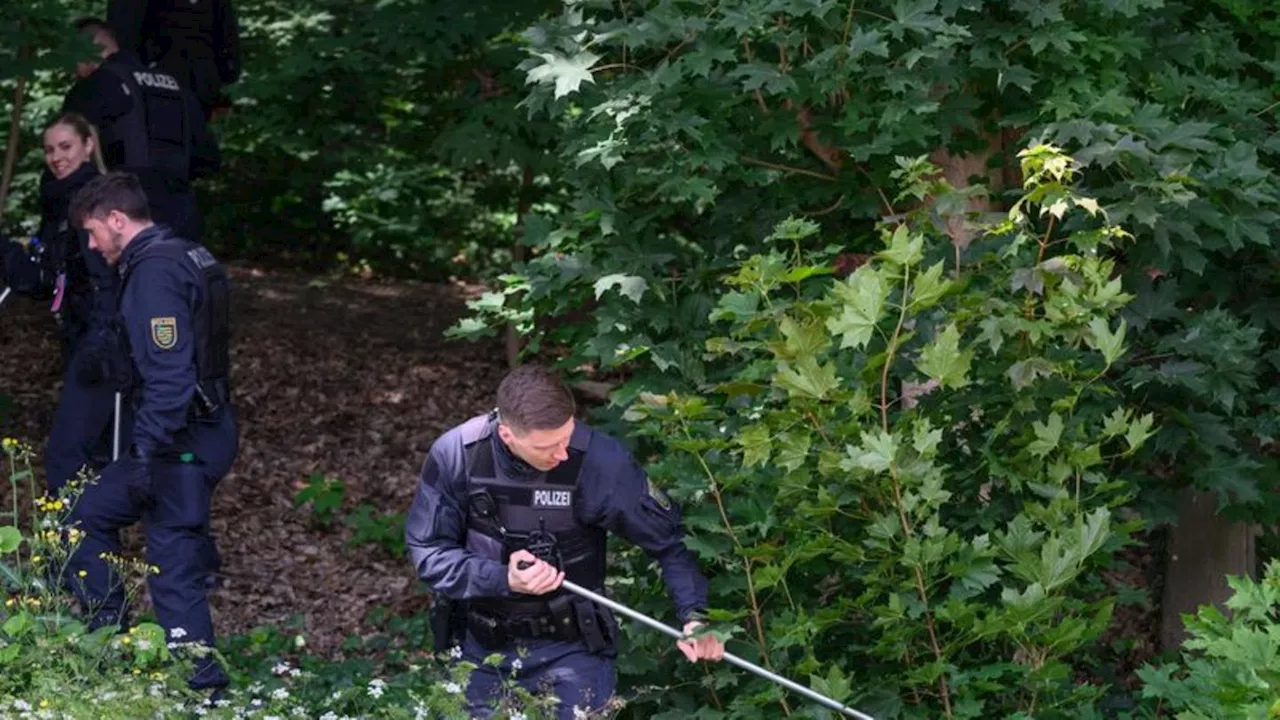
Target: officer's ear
(505, 433)
(117, 221)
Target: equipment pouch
(448, 624)
(488, 630)
(590, 627)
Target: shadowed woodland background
(654, 195)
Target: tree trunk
(1204, 548)
(11, 150)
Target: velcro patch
(164, 332)
(552, 498)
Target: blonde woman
(83, 296)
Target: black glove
(137, 477)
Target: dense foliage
(925, 309)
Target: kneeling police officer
(174, 302)
(511, 504)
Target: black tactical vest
(546, 503)
(212, 316)
(154, 133)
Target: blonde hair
(86, 131)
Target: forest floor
(350, 379)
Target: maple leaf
(567, 73)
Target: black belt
(540, 627)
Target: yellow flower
(82, 573)
(8, 603)
(35, 558)
(57, 504)
(136, 671)
(44, 703)
(10, 444)
(34, 602)
(127, 640)
(133, 631)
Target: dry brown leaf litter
(347, 378)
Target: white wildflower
(516, 665)
(580, 714)
(272, 717)
(279, 694)
(294, 672)
(376, 688)
(280, 668)
(22, 705)
(453, 688)
(177, 633)
(331, 715)
(455, 652)
(518, 716)
(298, 712)
(144, 644)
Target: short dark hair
(93, 23)
(119, 191)
(531, 397)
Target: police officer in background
(196, 41)
(528, 484)
(149, 125)
(174, 303)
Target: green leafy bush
(903, 481)
(1230, 665)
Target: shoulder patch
(164, 332)
(658, 496)
(201, 257)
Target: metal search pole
(729, 657)
(115, 432)
(5, 294)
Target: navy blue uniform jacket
(614, 494)
(159, 296)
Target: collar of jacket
(53, 188)
(510, 465)
(137, 245)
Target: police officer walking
(511, 504)
(149, 124)
(83, 295)
(174, 307)
(196, 41)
